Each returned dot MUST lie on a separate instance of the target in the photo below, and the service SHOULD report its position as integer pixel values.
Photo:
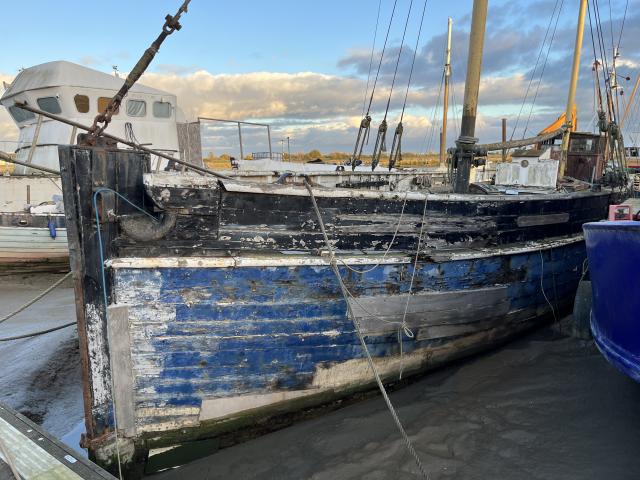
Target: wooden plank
(121, 367)
(534, 220)
(384, 313)
(36, 454)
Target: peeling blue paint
(233, 331)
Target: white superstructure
(79, 93)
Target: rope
(393, 239)
(408, 332)
(336, 271)
(553, 310)
(35, 334)
(35, 299)
(99, 191)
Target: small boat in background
(613, 249)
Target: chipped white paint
(250, 261)
(215, 408)
(165, 180)
(98, 356)
(315, 261)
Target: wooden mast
(465, 143)
(445, 107)
(575, 71)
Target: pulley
(380, 145)
(395, 157)
(363, 137)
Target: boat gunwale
(163, 180)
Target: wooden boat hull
(28, 244)
(212, 341)
(224, 312)
(614, 258)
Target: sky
(302, 66)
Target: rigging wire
(365, 123)
(533, 73)
(384, 47)
(396, 147)
(373, 46)
(380, 145)
(544, 66)
(624, 17)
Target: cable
(35, 299)
(413, 61)
(533, 73)
(624, 17)
(334, 267)
(355, 270)
(373, 46)
(99, 191)
(375, 82)
(395, 72)
(544, 66)
(555, 318)
(35, 334)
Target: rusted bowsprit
(100, 123)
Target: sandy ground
(545, 407)
(40, 376)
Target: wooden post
(445, 106)
(504, 139)
(466, 140)
(575, 72)
(34, 140)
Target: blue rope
(104, 288)
(101, 248)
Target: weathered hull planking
(32, 242)
(225, 312)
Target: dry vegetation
(408, 159)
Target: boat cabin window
(583, 145)
(161, 109)
(103, 102)
(20, 115)
(82, 103)
(136, 108)
(49, 104)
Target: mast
(465, 144)
(575, 71)
(445, 107)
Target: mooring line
(35, 299)
(383, 391)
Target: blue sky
(302, 66)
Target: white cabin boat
(32, 228)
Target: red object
(620, 212)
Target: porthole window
(20, 115)
(161, 109)
(136, 108)
(50, 105)
(103, 102)
(82, 103)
